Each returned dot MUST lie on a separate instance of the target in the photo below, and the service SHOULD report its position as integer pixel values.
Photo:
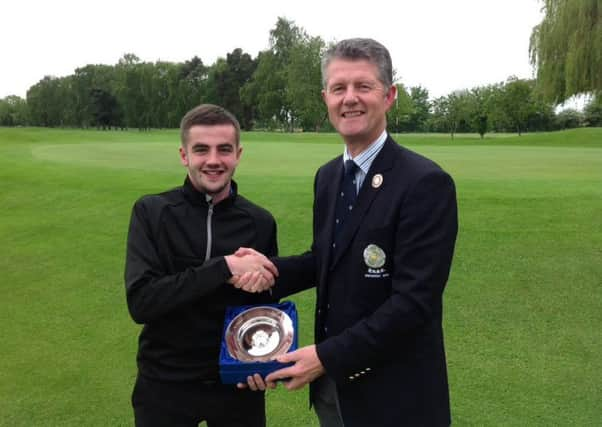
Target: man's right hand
(251, 270)
(256, 383)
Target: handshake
(251, 270)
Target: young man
(176, 276)
(385, 224)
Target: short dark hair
(356, 49)
(208, 114)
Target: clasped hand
(251, 270)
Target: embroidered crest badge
(374, 257)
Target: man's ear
(183, 156)
(390, 96)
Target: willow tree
(566, 48)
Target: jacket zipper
(209, 231)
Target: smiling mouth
(352, 114)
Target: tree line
(277, 90)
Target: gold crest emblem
(374, 257)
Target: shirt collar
(365, 158)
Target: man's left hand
(307, 367)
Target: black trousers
(326, 402)
(186, 404)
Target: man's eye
(336, 89)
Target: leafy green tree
(19, 110)
(420, 111)
(479, 106)
(437, 120)
(83, 82)
(466, 111)
(163, 87)
(13, 111)
(284, 37)
(216, 74)
(497, 119)
(191, 84)
(226, 78)
(48, 100)
(459, 110)
(166, 82)
(135, 90)
(398, 117)
(566, 48)
(542, 116)
(451, 112)
(593, 111)
(569, 119)
(515, 106)
(268, 87)
(249, 94)
(241, 67)
(104, 108)
(515, 103)
(266, 91)
(6, 116)
(86, 84)
(304, 83)
(130, 90)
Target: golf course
(522, 307)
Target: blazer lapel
(331, 181)
(381, 164)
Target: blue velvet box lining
(234, 371)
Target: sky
(442, 45)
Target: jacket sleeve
(151, 292)
(273, 240)
(424, 245)
(296, 274)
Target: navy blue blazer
(378, 324)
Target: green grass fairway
(523, 307)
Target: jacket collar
(199, 198)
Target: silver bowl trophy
(253, 337)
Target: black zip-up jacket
(176, 276)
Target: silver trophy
(259, 334)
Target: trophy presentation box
(254, 335)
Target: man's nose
(350, 96)
(212, 156)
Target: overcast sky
(442, 45)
